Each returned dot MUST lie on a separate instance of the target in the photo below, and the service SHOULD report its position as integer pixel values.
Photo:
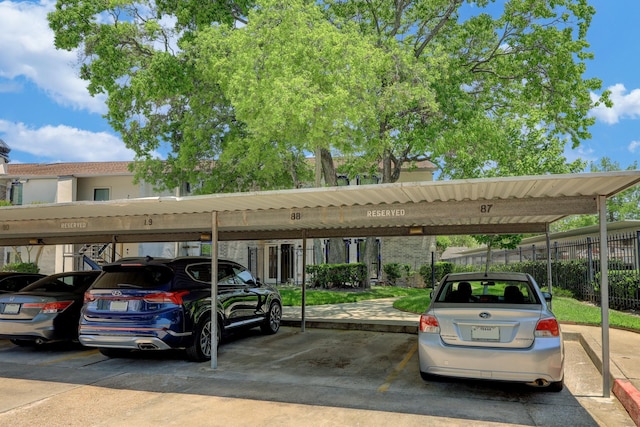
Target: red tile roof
(82, 169)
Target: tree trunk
(486, 269)
(337, 254)
(370, 259)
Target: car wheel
(200, 349)
(271, 322)
(425, 376)
(556, 386)
(23, 343)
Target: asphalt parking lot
(319, 377)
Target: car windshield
(487, 291)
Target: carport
(525, 204)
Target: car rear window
(487, 291)
(144, 277)
(69, 283)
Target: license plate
(118, 306)
(11, 308)
(485, 333)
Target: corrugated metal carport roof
(525, 204)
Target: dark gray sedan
(47, 310)
(12, 281)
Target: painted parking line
(394, 374)
(71, 357)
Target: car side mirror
(547, 296)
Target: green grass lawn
(415, 300)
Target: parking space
(320, 376)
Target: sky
(47, 115)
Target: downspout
(604, 296)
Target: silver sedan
(491, 326)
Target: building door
(273, 265)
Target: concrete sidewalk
(379, 315)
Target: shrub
(22, 267)
(624, 289)
(337, 275)
(441, 269)
(392, 271)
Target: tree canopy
(621, 207)
(235, 95)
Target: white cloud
(28, 52)
(625, 105)
(64, 143)
(633, 146)
(584, 153)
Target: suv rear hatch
(129, 291)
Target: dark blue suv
(161, 303)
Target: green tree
(510, 93)
(501, 241)
(621, 207)
(134, 52)
(480, 88)
(625, 205)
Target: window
(16, 193)
(100, 194)
(366, 179)
(226, 275)
(200, 272)
(343, 180)
(243, 276)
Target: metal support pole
(637, 250)
(549, 278)
(214, 290)
(604, 296)
(433, 270)
(589, 260)
(114, 239)
(304, 281)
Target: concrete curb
(396, 326)
(622, 388)
(629, 396)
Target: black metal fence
(575, 266)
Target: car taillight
(547, 328)
(50, 307)
(429, 323)
(88, 297)
(164, 297)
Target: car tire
(430, 377)
(23, 343)
(200, 349)
(556, 386)
(271, 323)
